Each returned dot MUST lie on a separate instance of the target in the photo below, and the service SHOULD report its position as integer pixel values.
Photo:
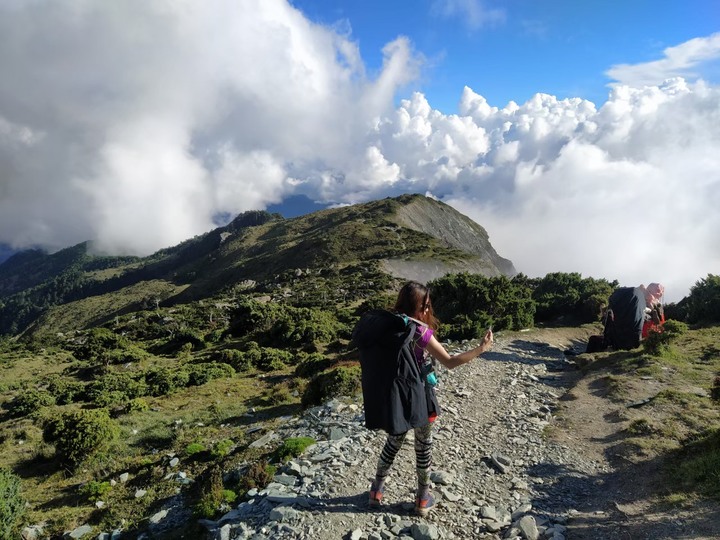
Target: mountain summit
(451, 229)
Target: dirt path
(628, 502)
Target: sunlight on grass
(698, 465)
(675, 500)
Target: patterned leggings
(423, 454)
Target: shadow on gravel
(563, 487)
(531, 353)
(613, 505)
(493, 356)
(358, 504)
(263, 415)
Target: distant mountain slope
(453, 229)
(408, 237)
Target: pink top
(420, 342)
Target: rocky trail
(499, 469)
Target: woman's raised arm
(438, 352)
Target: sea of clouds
(135, 124)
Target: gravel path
(496, 473)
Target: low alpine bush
(292, 448)
(28, 401)
(222, 449)
(193, 449)
(95, 491)
(339, 381)
(11, 503)
(79, 434)
(311, 364)
(200, 374)
(659, 340)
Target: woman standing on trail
(372, 334)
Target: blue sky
(582, 135)
(514, 49)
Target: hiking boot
(376, 495)
(424, 503)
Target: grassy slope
(206, 414)
(658, 408)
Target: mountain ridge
(406, 237)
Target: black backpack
(396, 396)
(625, 318)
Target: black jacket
(396, 398)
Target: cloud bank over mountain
(136, 124)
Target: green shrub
(130, 354)
(237, 359)
(163, 381)
(12, 504)
(377, 301)
(110, 398)
(273, 359)
(80, 434)
(311, 364)
(211, 493)
(299, 326)
(214, 337)
(703, 303)
(115, 387)
(241, 361)
(659, 339)
(95, 491)
(292, 448)
(185, 352)
(249, 316)
(222, 449)
(229, 496)
(97, 343)
(28, 401)
(206, 508)
(66, 391)
(190, 337)
(284, 325)
(340, 381)
(469, 303)
(193, 449)
(247, 359)
(258, 475)
(137, 405)
(202, 373)
(677, 311)
(561, 294)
